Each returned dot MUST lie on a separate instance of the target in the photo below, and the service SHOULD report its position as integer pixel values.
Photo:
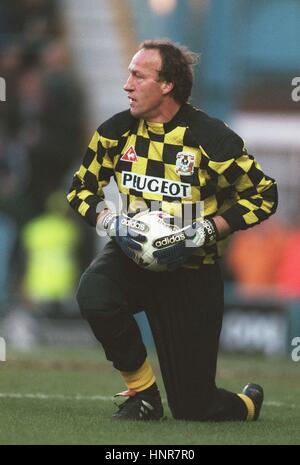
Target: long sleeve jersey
(194, 162)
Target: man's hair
(177, 66)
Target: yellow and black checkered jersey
(194, 161)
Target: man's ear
(167, 87)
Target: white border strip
(79, 397)
(38, 395)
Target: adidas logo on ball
(160, 233)
(134, 224)
(169, 240)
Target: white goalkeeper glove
(128, 233)
(176, 247)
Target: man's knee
(97, 294)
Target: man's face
(145, 92)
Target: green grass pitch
(59, 396)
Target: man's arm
(86, 191)
(255, 196)
(222, 227)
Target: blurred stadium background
(64, 63)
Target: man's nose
(128, 84)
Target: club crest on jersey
(185, 164)
(130, 155)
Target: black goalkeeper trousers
(184, 309)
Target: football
(159, 224)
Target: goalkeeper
(164, 151)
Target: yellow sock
(140, 379)
(249, 405)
